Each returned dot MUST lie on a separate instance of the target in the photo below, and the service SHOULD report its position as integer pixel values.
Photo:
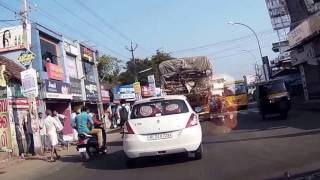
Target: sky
(182, 27)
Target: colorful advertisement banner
(57, 90)
(5, 135)
(91, 91)
(75, 89)
(55, 71)
(86, 53)
(11, 38)
(29, 83)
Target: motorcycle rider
(82, 121)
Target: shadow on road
(296, 119)
(117, 161)
(265, 137)
(114, 143)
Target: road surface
(256, 149)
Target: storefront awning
(13, 69)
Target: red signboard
(105, 95)
(86, 53)
(5, 135)
(55, 71)
(145, 91)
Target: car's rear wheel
(198, 153)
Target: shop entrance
(62, 108)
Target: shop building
(75, 72)
(93, 98)
(304, 41)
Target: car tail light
(193, 121)
(127, 128)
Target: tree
(132, 67)
(142, 66)
(108, 69)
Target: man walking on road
(60, 119)
(123, 112)
(42, 132)
(52, 127)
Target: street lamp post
(255, 34)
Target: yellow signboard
(137, 87)
(26, 58)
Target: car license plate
(159, 136)
(82, 149)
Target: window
(71, 66)
(88, 71)
(48, 52)
(159, 108)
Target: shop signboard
(116, 98)
(75, 89)
(86, 53)
(145, 91)
(3, 92)
(304, 30)
(70, 48)
(25, 58)
(29, 83)
(11, 38)
(57, 90)
(152, 85)
(91, 91)
(5, 134)
(55, 71)
(128, 96)
(126, 88)
(137, 87)
(3, 82)
(19, 103)
(127, 92)
(105, 95)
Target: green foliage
(108, 69)
(142, 66)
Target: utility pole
(132, 49)
(24, 21)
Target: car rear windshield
(159, 108)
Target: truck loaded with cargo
(190, 77)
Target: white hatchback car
(162, 125)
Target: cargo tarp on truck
(185, 76)
(174, 67)
(190, 77)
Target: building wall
(36, 30)
(297, 10)
(302, 54)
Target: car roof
(167, 97)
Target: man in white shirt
(52, 127)
(42, 132)
(60, 119)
